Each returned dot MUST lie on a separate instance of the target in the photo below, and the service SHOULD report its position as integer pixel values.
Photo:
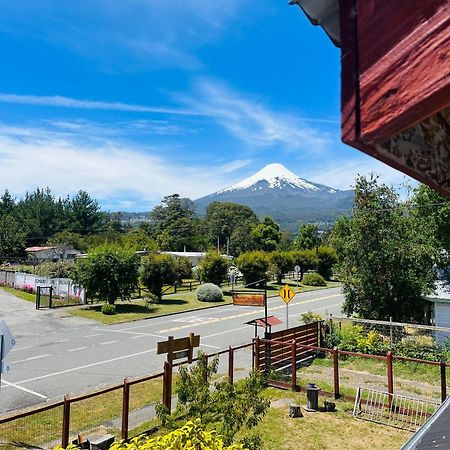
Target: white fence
(62, 287)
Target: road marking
(87, 366)
(225, 332)
(76, 349)
(141, 336)
(92, 335)
(212, 346)
(8, 383)
(134, 333)
(21, 348)
(235, 316)
(108, 342)
(30, 358)
(64, 340)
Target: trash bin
(312, 397)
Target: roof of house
(324, 13)
(435, 433)
(38, 249)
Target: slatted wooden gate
(276, 355)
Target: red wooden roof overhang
(395, 58)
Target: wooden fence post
(65, 423)
(205, 373)
(257, 353)
(443, 381)
(125, 409)
(390, 376)
(167, 385)
(336, 372)
(230, 364)
(294, 364)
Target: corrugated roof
(324, 13)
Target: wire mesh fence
(394, 410)
(41, 429)
(398, 333)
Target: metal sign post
(287, 294)
(297, 270)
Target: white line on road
(92, 335)
(133, 332)
(212, 346)
(108, 342)
(63, 340)
(141, 336)
(8, 383)
(225, 332)
(76, 349)
(75, 369)
(21, 348)
(30, 358)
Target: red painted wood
(404, 64)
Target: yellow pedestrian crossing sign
(287, 294)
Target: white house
(51, 253)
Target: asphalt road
(57, 355)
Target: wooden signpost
(253, 299)
(175, 349)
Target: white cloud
(253, 122)
(235, 165)
(342, 174)
(114, 174)
(67, 102)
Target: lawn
(410, 379)
(20, 294)
(322, 430)
(173, 303)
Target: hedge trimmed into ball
(209, 292)
(314, 279)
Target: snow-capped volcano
(277, 176)
(277, 192)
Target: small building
(194, 257)
(440, 305)
(51, 253)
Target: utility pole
(228, 246)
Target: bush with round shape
(314, 279)
(108, 310)
(209, 292)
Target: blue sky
(133, 100)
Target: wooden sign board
(178, 348)
(248, 299)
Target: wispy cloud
(117, 174)
(235, 165)
(68, 102)
(342, 174)
(252, 121)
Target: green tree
(213, 268)
(139, 240)
(157, 271)
(108, 272)
(242, 240)
(306, 259)
(253, 265)
(308, 237)
(13, 236)
(223, 220)
(280, 263)
(385, 256)
(266, 235)
(326, 259)
(183, 268)
(68, 239)
(84, 214)
(7, 203)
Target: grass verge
(20, 294)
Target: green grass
(138, 309)
(86, 415)
(320, 430)
(20, 294)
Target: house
(51, 253)
(194, 257)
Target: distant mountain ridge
(277, 192)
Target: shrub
(58, 269)
(310, 317)
(314, 279)
(191, 436)
(184, 268)
(209, 292)
(253, 265)
(280, 263)
(150, 298)
(213, 268)
(108, 310)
